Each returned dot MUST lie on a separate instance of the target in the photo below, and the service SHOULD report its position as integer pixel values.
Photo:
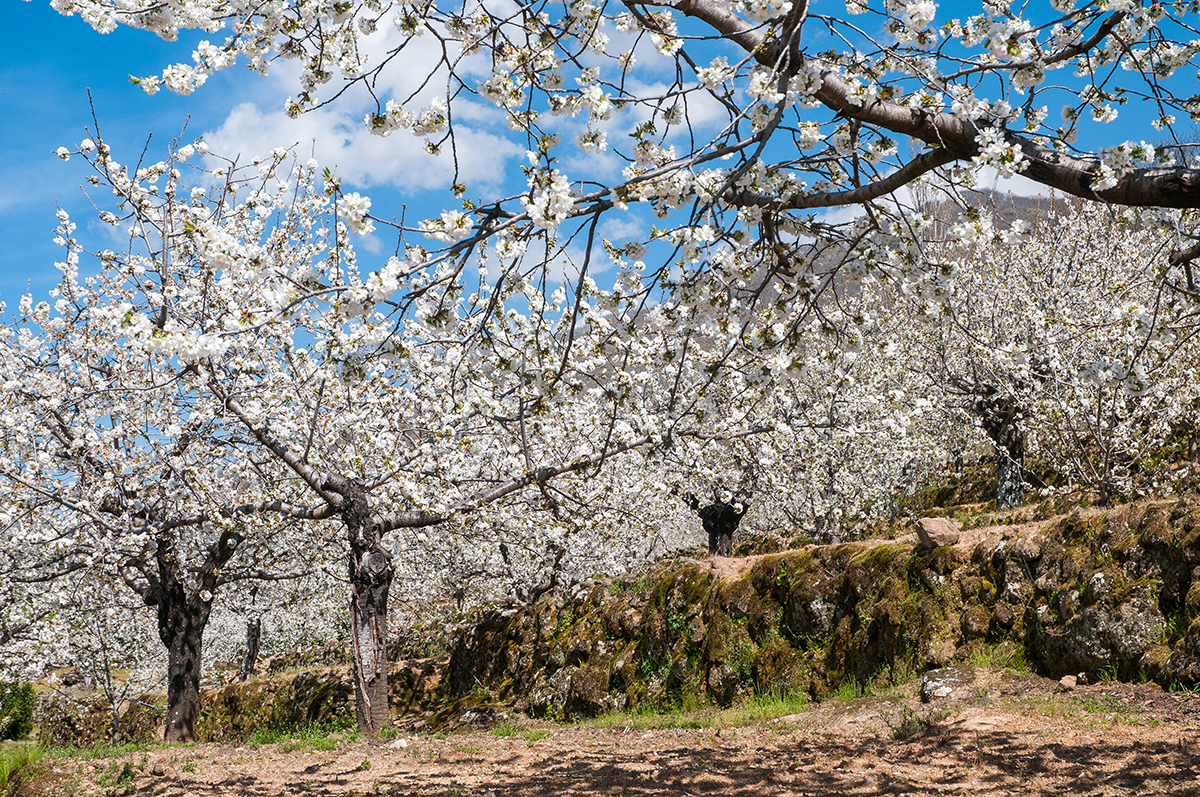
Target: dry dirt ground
(1013, 735)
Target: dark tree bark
(371, 573)
(720, 520)
(1001, 418)
(181, 628)
(182, 617)
(253, 634)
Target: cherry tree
(770, 110)
(477, 372)
(1078, 340)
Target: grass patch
(509, 729)
(18, 764)
(109, 750)
(314, 736)
(748, 710)
(1004, 656)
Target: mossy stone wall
(1111, 594)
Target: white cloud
(626, 227)
(337, 136)
(341, 141)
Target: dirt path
(1015, 736)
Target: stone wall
(1111, 594)
(237, 710)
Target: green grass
(109, 750)
(18, 763)
(314, 736)
(1004, 656)
(509, 729)
(748, 710)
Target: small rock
(936, 531)
(948, 683)
(157, 770)
(1067, 683)
(1081, 679)
(722, 686)
(1028, 547)
(399, 743)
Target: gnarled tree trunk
(182, 631)
(371, 574)
(721, 521)
(182, 617)
(1001, 416)
(253, 635)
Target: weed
(18, 764)
(740, 660)
(1004, 656)
(107, 750)
(315, 736)
(565, 618)
(750, 709)
(641, 585)
(509, 729)
(506, 729)
(851, 689)
(118, 777)
(189, 766)
(910, 723)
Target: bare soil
(1013, 735)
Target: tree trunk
(253, 633)
(1010, 481)
(720, 542)
(721, 521)
(371, 574)
(183, 680)
(1001, 416)
(181, 622)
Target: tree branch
(419, 519)
(1176, 187)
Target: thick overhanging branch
(312, 477)
(260, 575)
(45, 578)
(925, 162)
(725, 436)
(320, 512)
(1149, 187)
